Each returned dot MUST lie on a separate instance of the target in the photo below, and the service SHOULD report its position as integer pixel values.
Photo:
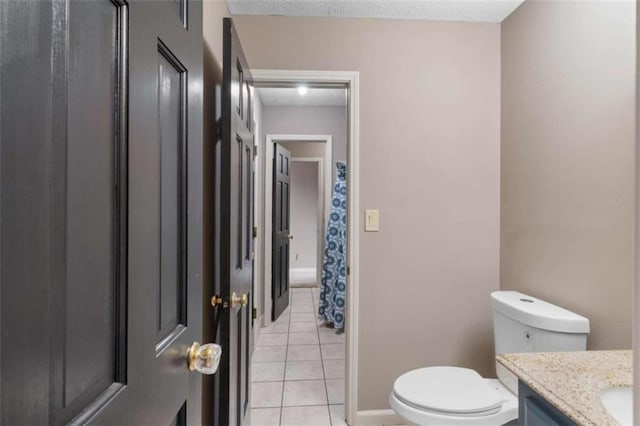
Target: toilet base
(422, 417)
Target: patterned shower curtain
(334, 269)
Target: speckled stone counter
(572, 381)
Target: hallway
(298, 368)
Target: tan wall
(430, 159)
(305, 149)
(568, 84)
(310, 120)
(213, 11)
(304, 215)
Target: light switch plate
(371, 221)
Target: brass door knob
(216, 300)
(204, 359)
(242, 300)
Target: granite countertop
(572, 381)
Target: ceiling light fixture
(302, 90)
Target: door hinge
(348, 270)
(254, 313)
(253, 255)
(255, 151)
(255, 232)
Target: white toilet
(445, 396)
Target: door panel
(172, 223)
(93, 236)
(281, 231)
(233, 253)
(88, 228)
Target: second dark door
(281, 230)
(233, 254)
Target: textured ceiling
(435, 10)
(285, 96)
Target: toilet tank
(523, 323)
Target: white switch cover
(371, 221)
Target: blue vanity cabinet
(534, 410)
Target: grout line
(326, 391)
(286, 352)
(307, 405)
(293, 380)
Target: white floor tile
(304, 392)
(303, 353)
(267, 371)
(303, 317)
(307, 307)
(303, 370)
(264, 395)
(337, 415)
(333, 351)
(307, 416)
(300, 327)
(301, 298)
(302, 306)
(276, 327)
(265, 417)
(279, 339)
(269, 354)
(331, 337)
(284, 317)
(333, 368)
(335, 390)
(308, 338)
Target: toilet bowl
(446, 396)
(443, 396)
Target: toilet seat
(453, 390)
(428, 396)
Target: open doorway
(303, 143)
(311, 170)
(306, 221)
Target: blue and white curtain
(334, 264)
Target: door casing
(267, 178)
(350, 79)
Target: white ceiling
(435, 10)
(289, 96)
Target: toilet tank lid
(538, 313)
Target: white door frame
(351, 80)
(324, 200)
(267, 214)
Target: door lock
(234, 300)
(216, 300)
(242, 300)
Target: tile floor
(298, 369)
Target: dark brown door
(233, 253)
(281, 231)
(100, 213)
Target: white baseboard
(302, 276)
(378, 418)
